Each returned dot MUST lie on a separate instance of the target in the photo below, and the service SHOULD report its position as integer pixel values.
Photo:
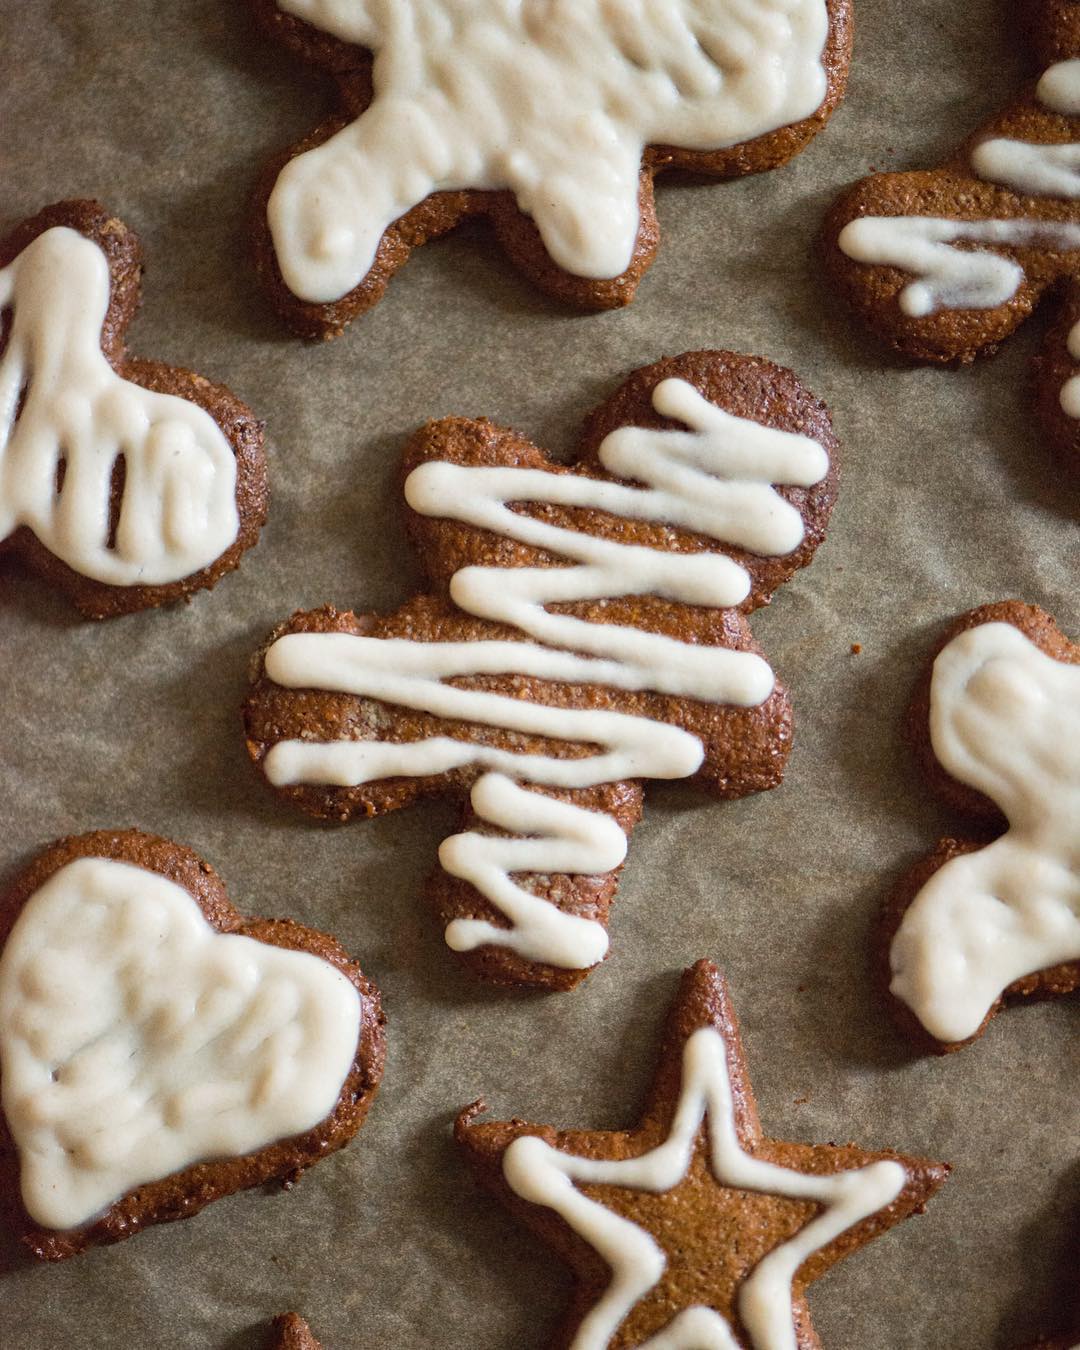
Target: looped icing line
(716, 477)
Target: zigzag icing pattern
(716, 478)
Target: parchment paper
(166, 112)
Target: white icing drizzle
(546, 1176)
(716, 479)
(136, 1040)
(553, 99)
(954, 278)
(949, 277)
(1004, 719)
(1070, 390)
(178, 511)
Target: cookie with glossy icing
(991, 917)
(126, 482)
(943, 264)
(693, 1228)
(158, 1051)
(585, 629)
(550, 122)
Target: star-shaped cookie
(693, 1231)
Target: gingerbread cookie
(585, 631)
(979, 923)
(126, 482)
(289, 1331)
(693, 1229)
(550, 120)
(945, 263)
(159, 1051)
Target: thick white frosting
(552, 99)
(135, 1040)
(546, 1176)
(1004, 719)
(178, 510)
(715, 478)
(1070, 390)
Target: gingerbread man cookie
(693, 1229)
(980, 923)
(945, 263)
(127, 482)
(550, 119)
(585, 631)
(159, 1051)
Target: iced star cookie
(127, 482)
(585, 631)
(694, 1229)
(157, 1050)
(984, 921)
(550, 119)
(945, 263)
(290, 1332)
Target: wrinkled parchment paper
(166, 112)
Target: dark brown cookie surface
(943, 264)
(742, 747)
(115, 491)
(291, 1332)
(665, 1227)
(184, 1193)
(998, 750)
(308, 30)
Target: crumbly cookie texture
(128, 483)
(551, 122)
(993, 916)
(693, 1228)
(129, 893)
(585, 630)
(289, 1331)
(945, 263)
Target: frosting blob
(715, 478)
(553, 99)
(66, 418)
(1004, 719)
(136, 1040)
(544, 1175)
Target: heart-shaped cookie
(157, 1050)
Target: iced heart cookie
(291, 1332)
(550, 119)
(693, 1230)
(945, 263)
(126, 482)
(157, 1050)
(585, 631)
(984, 921)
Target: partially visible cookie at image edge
(992, 917)
(552, 132)
(126, 482)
